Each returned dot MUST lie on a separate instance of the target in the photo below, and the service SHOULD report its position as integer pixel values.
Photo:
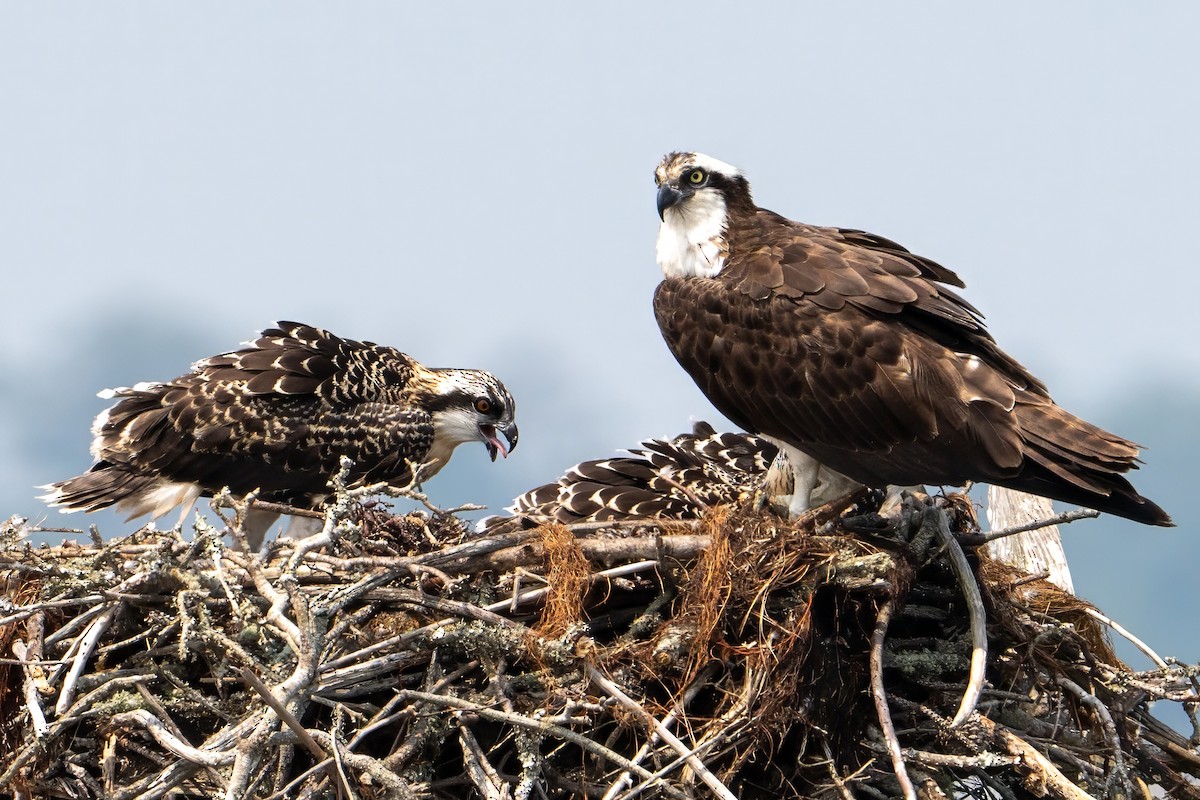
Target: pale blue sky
(473, 184)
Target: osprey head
(695, 193)
(471, 406)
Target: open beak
(493, 443)
(667, 196)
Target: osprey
(854, 354)
(663, 479)
(277, 416)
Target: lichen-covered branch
(740, 655)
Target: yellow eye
(697, 177)
(483, 405)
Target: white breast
(691, 239)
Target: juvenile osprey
(277, 416)
(854, 354)
(663, 479)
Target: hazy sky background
(473, 184)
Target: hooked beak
(494, 445)
(667, 196)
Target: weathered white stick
(87, 646)
(879, 694)
(710, 780)
(1036, 551)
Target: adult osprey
(854, 354)
(277, 416)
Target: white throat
(691, 239)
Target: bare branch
(974, 540)
(881, 704)
(664, 733)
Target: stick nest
(400, 656)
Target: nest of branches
(846, 655)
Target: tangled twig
(737, 656)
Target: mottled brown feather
(276, 415)
(662, 479)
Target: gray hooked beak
(494, 445)
(667, 196)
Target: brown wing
(275, 415)
(836, 267)
(296, 359)
(836, 384)
(846, 344)
(663, 479)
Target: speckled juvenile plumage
(858, 354)
(277, 416)
(663, 479)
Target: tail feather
(1074, 461)
(107, 485)
(1121, 499)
